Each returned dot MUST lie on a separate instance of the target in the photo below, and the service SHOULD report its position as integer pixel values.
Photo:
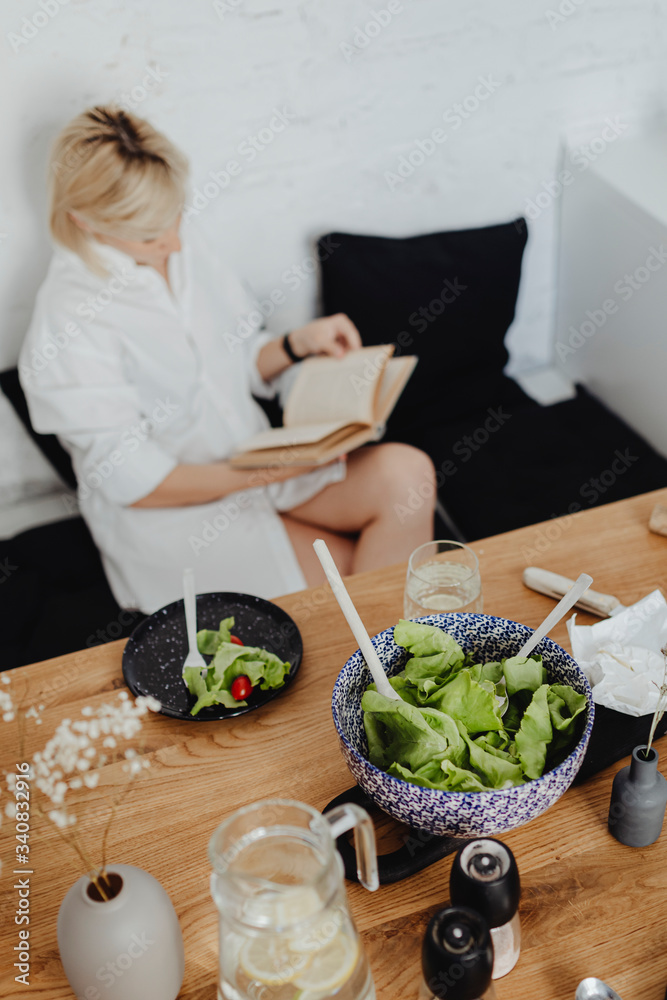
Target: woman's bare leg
(387, 499)
(303, 535)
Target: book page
(315, 453)
(394, 378)
(337, 389)
(283, 437)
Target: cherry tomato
(241, 687)
(235, 639)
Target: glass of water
(442, 576)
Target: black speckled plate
(154, 654)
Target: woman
(143, 356)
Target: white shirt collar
(112, 258)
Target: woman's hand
(332, 335)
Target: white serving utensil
(194, 657)
(595, 989)
(554, 585)
(581, 584)
(353, 620)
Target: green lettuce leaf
(262, 667)
(523, 674)
(518, 704)
(207, 696)
(425, 640)
(535, 732)
(565, 704)
(497, 742)
(460, 779)
(490, 671)
(208, 641)
(498, 769)
(399, 733)
(466, 700)
(225, 657)
(402, 686)
(275, 670)
(427, 777)
(429, 673)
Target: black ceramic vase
(638, 800)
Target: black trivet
(420, 849)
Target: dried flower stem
(114, 806)
(73, 841)
(660, 707)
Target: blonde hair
(119, 175)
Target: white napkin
(621, 655)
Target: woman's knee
(407, 474)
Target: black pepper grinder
(485, 877)
(457, 957)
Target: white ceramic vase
(127, 948)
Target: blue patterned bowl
(464, 814)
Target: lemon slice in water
(318, 933)
(329, 967)
(271, 962)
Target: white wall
(217, 71)
(612, 294)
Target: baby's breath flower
(61, 818)
(151, 703)
(70, 760)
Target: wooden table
(590, 906)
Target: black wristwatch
(288, 349)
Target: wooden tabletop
(590, 906)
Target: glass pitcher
(285, 929)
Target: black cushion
(55, 597)
(503, 461)
(48, 444)
(447, 297)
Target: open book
(335, 405)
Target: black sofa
(54, 596)
(502, 459)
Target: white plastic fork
(580, 585)
(194, 657)
(354, 621)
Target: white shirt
(136, 379)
